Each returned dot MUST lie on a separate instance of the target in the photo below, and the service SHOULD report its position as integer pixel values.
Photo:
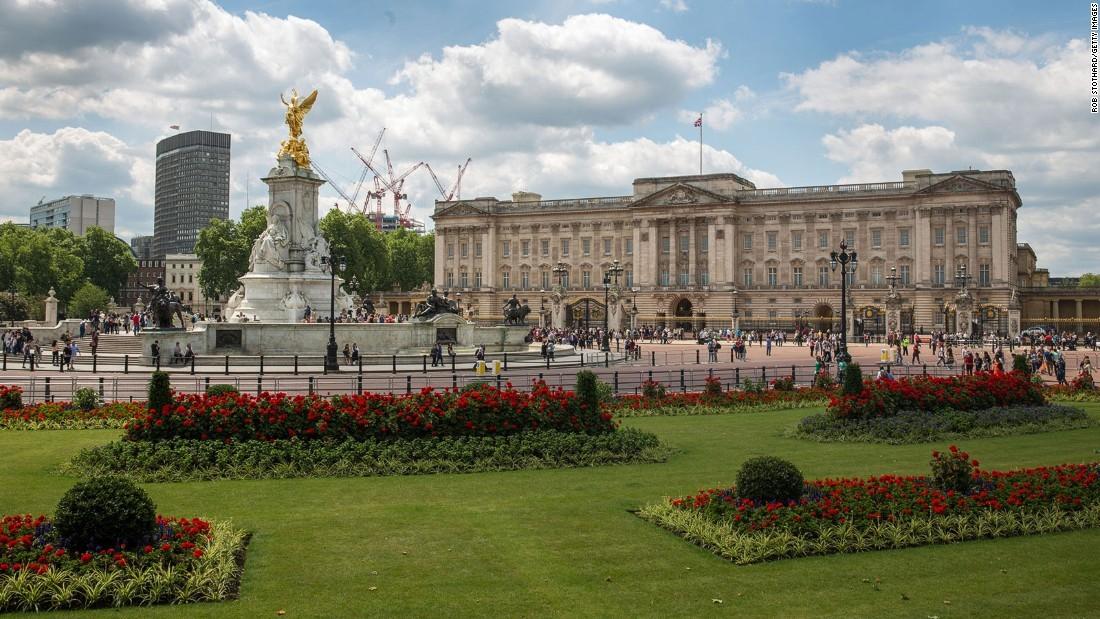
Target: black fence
(623, 381)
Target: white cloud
(676, 6)
(875, 154)
(720, 115)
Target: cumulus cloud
(676, 6)
(874, 153)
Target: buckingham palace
(936, 251)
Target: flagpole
(700, 143)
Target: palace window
(823, 239)
(983, 235)
(505, 280)
(748, 276)
(630, 278)
(796, 240)
(546, 280)
(507, 249)
(565, 280)
(463, 280)
(876, 238)
(545, 243)
(628, 247)
(704, 244)
(525, 247)
(823, 277)
(465, 250)
(796, 276)
(607, 247)
(983, 274)
(937, 236)
(773, 276)
(773, 240)
(664, 245)
(685, 245)
(703, 278)
(876, 275)
(586, 246)
(524, 280)
(586, 279)
(960, 235)
(903, 273)
(850, 237)
(450, 279)
(565, 248)
(903, 237)
(450, 250)
(477, 278)
(938, 274)
(683, 279)
(746, 240)
(664, 278)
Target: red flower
(84, 558)
(198, 553)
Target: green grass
(564, 543)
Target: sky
(567, 98)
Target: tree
(404, 249)
(48, 259)
(87, 299)
(354, 236)
(107, 260)
(224, 246)
(1089, 280)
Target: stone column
(1080, 314)
(1054, 310)
(636, 255)
(712, 254)
(731, 252)
(488, 276)
(998, 266)
(673, 254)
(893, 312)
(922, 245)
(655, 251)
(441, 237)
(51, 309)
(692, 252)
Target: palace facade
(936, 251)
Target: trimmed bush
(105, 512)
(653, 390)
(160, 391)
(853, 379)
(587, 389)
(1020, 364)
(220, 389)
(86, 399)
(824, 380)
(767, 478)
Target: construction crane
(351, 199)
(394, 187)
(456, 188)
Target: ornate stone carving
(682, 196)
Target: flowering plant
(11, 397)
(953, 470)
(925, 393)
(783, 383)
(732, 398)
(476, 411)
(652, 389)
(712, 386)
(1083, 382)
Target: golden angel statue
(296, 111)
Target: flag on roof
(699, 121)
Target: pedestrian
(154, 353)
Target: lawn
(562, 542)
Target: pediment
(461, 209)
(959, 184)
(681, 194)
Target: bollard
(259, 385)
(764, 376)
(651, 376)
(158, 365)
(926, 369)
(683, 386)
(454, 380)
(696, 356)
(731, 353)
(359, 385)
(206, 382)
(582, 358)
(47, 387)
(424, 363)
(295, 365)
(505, 362)
(453, 363)
(794, 371)
(360, 364)
(311, 385)
(193, 364)
(125, 364)
(409, 384)
(100, 386)
(94, 364)
(498, 382)
(652, 359)
(394, 363)
(737, 377)
(261, 365)
(5, 361)
(547, 363)
(606, 360)
(32, 363)
(615, 389)
(227, 365)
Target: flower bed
(889, 511)
(912, 426)
(189, 560)
(186, 460)
(67, 416)
(882, 398)
(477, 411)
(713, 401)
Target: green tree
(87, 298)
(48, 259)
(107, 260)
(224, 246)
(1089, 280)
(355, 237)
(404, 248)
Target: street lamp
(843, 258)
(634, 309)
(962, 279)
(612, 272)
(893, 278)
(458, 303)
(734, 313)
(333, 262)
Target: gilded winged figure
(296, 111)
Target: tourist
(1085, 366)
(347, 353)
(74, 352)
(354, 352)
(1060, 368)
(189, 353)
(154, 353)
(177, 354)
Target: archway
(684, 310)
(585, 313)
(823, 317)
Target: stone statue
(296, 111)
(268, 248)
(318, 248)
(368, 306)
(516, 315)
(511, 308)
(434, 305)
(163, 305)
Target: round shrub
(767, 478)
(853, 379)
(588, 389)
(105, 512)
(160, 391)
(86, 399)
(213, 390)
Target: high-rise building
(142, 246)
(76, 213)
(192, 189)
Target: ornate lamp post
(605, 341)
(561, 270)
(843, 258)
(333, 262)
(458, 302)
(634, 309)
(735, 314)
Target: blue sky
(562, 98)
